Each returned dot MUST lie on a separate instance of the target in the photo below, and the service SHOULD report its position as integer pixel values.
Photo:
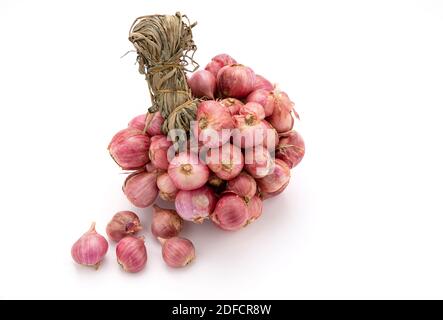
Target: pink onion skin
(243, 185)
(154, 123)
(226, 162)
(258, 162)
(236, 81)
(255, 208)
(141, 188)
(158, 151)
(132, 254)
(218, 62)
(138, 122)
(271, 138)
(262, 83)
(90, 249)
(166, 223)
(233, 105)
(195, 205)
(265, 195)
(188, 172)
(253, 108)
(265, 98)
(122, 224)
(281, 120)
(213, 125)
(203, 84)
(178, 252)
(129, 149)
(291, 148)
(248, 131)
(167, 189)
(231, 212)
(279, 178)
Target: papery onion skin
(178, 252)
(231, 212)
(243, 185)
(262, 83)
(132, 254)
(158, 151)
(226, 162)
(129, 148)
(236, 81)
(195, 205)
(167, 189)
(154, 123)
(276, 180)
(122, 224)
(258, 162)
(271, 138)
(264, 97)
(90, 249)
(248, 132)
(166, 223)
(281, 120)
(141, 188)
(254, 109)
(138, 122)
(188, 172)
(255, 208)
(232, 104)
(203, 84)
(291, 148)
(218, 62)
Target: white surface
(363, 215)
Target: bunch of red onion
(242, 148)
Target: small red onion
(271, 138)
(219, 62)
(226, 162)
(131, 254)
(231, 212)
(233, 105)
(276, 180)
(166, 187)
(188, 172)
(291, 148)
(248, 131)
(262, 83)
(141, 188)
(129, 148)
(265, 195)
(138, 122)
(255, 209)
(281, 120)
(159, 150)
(195, 205)
(165, 223)
(236, 81)
(243, 185)
(154, 122)
(213, 125)
(178, 252)
(90, 249)
(123, 223)
(265, 98)
(203, 84)
(258, 162)
(253, 109)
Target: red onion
(195, 205)
(231, 212)
(188, 172)
(214, 124)
(178, 252)
(281, 120)
(90, 249)
(219, 62)
(129, 148)
(138, 122)
(243, 185)
(232, 104)
(262, 83)
(158, 151)
(141, 188)
(165, 223)
(167, 188)
(276, 180)
(123, 223)
(248, 131)
(131, 254)
(226, 162)
(253, 109)
(271, 138)
(203, 84)
(154, 122)
(255, 208)
(291, 148)
(265, 195)
(236, 81)
(258, 162)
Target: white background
(363, 215)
